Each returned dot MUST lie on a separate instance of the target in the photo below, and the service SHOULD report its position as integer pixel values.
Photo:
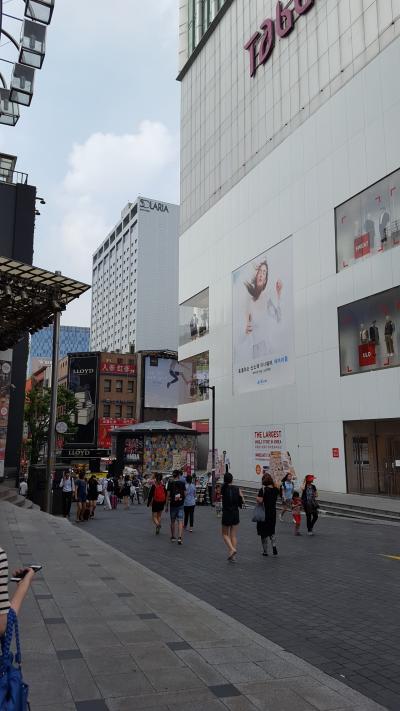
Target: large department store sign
(261, 44)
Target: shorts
(297, 519)
(176, 513)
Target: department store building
(290, 234)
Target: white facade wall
(230, 122)
(134, 283)
(347, 144)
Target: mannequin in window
(364, 334)
(194, 326)
(374, 333)
(384, 219)
(389, 331)
(369, 227)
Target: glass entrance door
(373, 457)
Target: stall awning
(29, 297)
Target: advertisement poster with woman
(263, 323)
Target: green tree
(37, 416)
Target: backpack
(159, 494)
(110, 486)
(177, 493)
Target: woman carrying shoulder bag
(268, 496)
(232, 500)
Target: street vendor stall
(155, 446)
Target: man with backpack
(176, 500)
(157, 498)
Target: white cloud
(105, 173)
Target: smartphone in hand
(18, 578)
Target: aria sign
(147, 205)
(261, 45)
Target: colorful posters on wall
(5, 383)
(269, 453)
(263, 322)
(133, 450)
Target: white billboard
(263, 322)
(162, 382)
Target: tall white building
(135, 281)
(290, 234)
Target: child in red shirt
(296, 512)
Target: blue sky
(103, 126)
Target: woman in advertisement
(262, 314)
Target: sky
(103, 126)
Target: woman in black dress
(92, 494)
(268, 495)
(232, 500)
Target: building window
(368, 223)
(129, 411)
(194, 318)
(118, 386)
(130, 386)
(118, 410)
(106, 410)
(107, 386)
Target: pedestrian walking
(125, 492)
(189, 503)
(297, 507)
(68, 489)
(107, 489)
(309, 499)
(209, 489)
(175, 501)
(23, 487)
(136, 484)
(81, 496)
(287, 488)
(268, 496)
(156, 499)
(92, 494)
(232, 501)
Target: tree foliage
(37, 416)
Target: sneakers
(310, 533)
(158, 530)
(179, 541)
(265, 554)
(190, 530)
(173, 539)
(274, 550)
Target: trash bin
(37, 486)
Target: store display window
(369, 333)
(193, 318)
(368, 223)
(193, 378)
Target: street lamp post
(202, 389)
(51, 439)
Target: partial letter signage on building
(261, 44)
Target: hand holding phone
(20, 574)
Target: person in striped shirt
(19, 594)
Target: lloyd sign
(261, 44)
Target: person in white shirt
(23, 487)
(68, 489)
(106, 494)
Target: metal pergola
(29, 298)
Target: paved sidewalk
(101, 631)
